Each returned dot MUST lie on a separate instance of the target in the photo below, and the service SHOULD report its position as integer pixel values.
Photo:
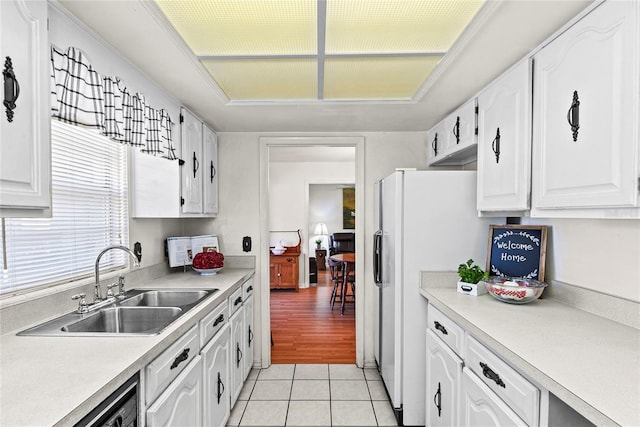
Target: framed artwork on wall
(348, 208)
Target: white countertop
(589, 362)
(55, 381)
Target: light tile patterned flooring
(313, 395)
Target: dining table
(348, 260)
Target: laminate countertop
(590, 362)
(55, 381)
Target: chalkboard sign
(517, 251)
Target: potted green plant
(318, 242)
(470, 277)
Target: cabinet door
(274, 275)
(210, 171)
(25, 153)
(236, 355)
(289, 272)
(181, 402)
(504, 142)
(444, 370)
(437, 139)
(248, 338)
(215, 381)
(593, 163)
(481, 407)
(192, 167)
(460, 128)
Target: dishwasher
(118, 410)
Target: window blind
(89, 205)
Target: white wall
(240, 188)
(325, 206)
(597, 254)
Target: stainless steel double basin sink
(142, 312)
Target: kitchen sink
(141, 312)
(165, 298)
(125, 320)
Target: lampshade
(321, 229)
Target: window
(89, 205)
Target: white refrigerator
(427, 222)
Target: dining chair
(335, 271)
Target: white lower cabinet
(247, 359)
(181, 403)
(215, 381)
(469, 385)
(197, 379)
(444, 370)
(236, 366)
(482, 407)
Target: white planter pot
(479, 288)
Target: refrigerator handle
(377, 258)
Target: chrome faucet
(98, 290)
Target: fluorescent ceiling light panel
(260, 79)
(319, 49)
(404, 26)
(376, 78)
(246, 27)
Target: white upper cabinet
(200, 167)
(191, 130)
(25, 147)
(456, 137)
(436, 141)
(585, 135)
(504, 142)
(210, 172)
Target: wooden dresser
(284, 269)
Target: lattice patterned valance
(81, 96)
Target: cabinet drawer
(446, 329)
(247, 289)
(479, 406)
(516, 391)
(213, 322)
(166, 367)
(235, 301)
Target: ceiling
(501, 33)
(319, 49)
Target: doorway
(309, 301)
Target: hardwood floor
(304, 329)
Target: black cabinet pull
(218, 320)
(456, 130)
(434, 145)
(250, 335)
(238, 354)
(488, 373)
(220, 388)
(237, 301)
(495, 145)
(437, 400)
(573, 115)
(11, 88)
(183, 356)
(441, 328)
(250, 288)
(212, 171)
(196, 164)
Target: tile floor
(313, 395)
